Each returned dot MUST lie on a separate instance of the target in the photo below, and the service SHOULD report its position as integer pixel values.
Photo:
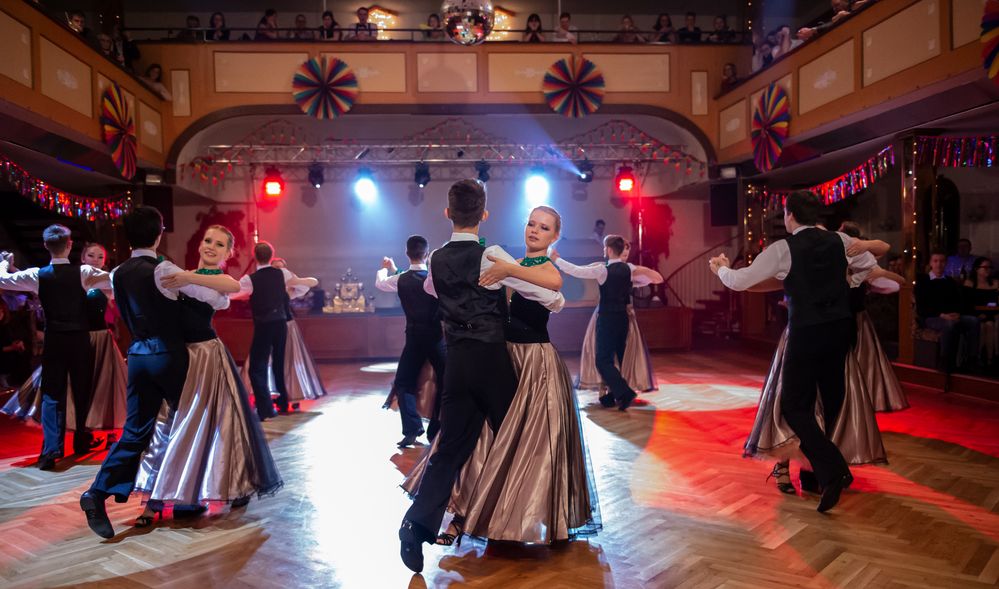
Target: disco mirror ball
(467, 22)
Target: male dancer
(267, 290)
(480, 382)
(62, 289)
(424, 337)
(615, 279)
(157, 359)
(812, 264)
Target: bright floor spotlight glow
(365, 188)
(536, 187)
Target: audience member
(364, 30)
(302, 31)
(959, 265)
(628, 33)
(267, 28)
(598, 231)
(78, 22)
(721, 32)
(690, 33)
(840, 10)
(154, 79)
(784, 41)
(763, 56)
(895, 264)
(126, 49)
(219, 31)
(192, 32)
(106, 47)
(434, 30)
(565, 32)
(981, 291)
(730, 78)
(533, 32)
(330, 29)
(939, 306)
(663, 30)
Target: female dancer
(107, 408)
(212, 448)
(533, 482)
(980, 290)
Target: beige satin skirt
(110, 385)
(636, 367)
(855, 433)
(533, 483)
(212, 448)
(426, 393)
(301, 376)
(880, 381)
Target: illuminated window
(383, 18)
(502, 20)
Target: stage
(680, 506)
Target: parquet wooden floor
(681, 507)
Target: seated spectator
(330, 29)
(840, 10)
(939, 306)
(267, 28)
(302, 31)
(78, 22)
(784, 42)
(191, 33)
(126, 49)
(690, 33)
(533, 32)
(959, 265)
(628, 33)
(895, 264)
(363, 30)
(981, 291)
(565, 32)
(664, 31)
(154, 79)
(106, 46)
(729, 77)
(219, 31)
(721, 32)
(434, 31)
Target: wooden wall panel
(910, 37)
(826, 78)
(256, 71)
(966, 21)
(733, 124)
(520, 72)
(15, 47)
(376, 72)
(447, 72)
(65, 78)
(624, 72)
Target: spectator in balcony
(192, 32)
(981, 290)
(763, 56)
(721, 32)
(939, 306)
(959, 265)
(784, 41)
(690, 33)
(78, 22)
(219, 31)
(330, 29)
(302, 31)
(628, 33)
(154, 79)
(730, 79)
(106, 46)
(267, 28)
(126, 49)
(663, 31)
(565, 32)
(840, 10)
(533, 32)
(434, 30)
(364, 30)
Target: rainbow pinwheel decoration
(324, 88)
(990, 39)
(118, 130)
(770, 126)
(574, 88)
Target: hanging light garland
(855, 181)
(956, 152)
(64, 203)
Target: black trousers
(152, 379)
(612, 336)
(479, 385)
(419, 349)
(267, 348)
(815, 363)
(66, 359)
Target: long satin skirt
(301, 376)
(636, 367)
(533, 483)
(880, 380)
(212, 448)
(426, 393)
(855, 433)
(110, 385)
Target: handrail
(702, 254)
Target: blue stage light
(536, 187)
(365, 188)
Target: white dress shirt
(775, 262)
(27, 280)
(216, 299)
(598, 271)
(246, 284)
(391, 283)
(550, 299)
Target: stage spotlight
(482, 167)
(625, 180)
(364, 187)
(585, 170)
(316, 175)
(422, 174)
(536, 187)
(273, 184)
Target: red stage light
(625, 180)
(273, 184)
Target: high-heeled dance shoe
(782, 474)
(110, 440)
(447, 538)
(144, 521)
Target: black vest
(423, 315)
(816, 286)
(268, 299)
(528, 321)
(197, 320)
(153, 320)
(97, 305)
(470, 311)
(63, 298)
(615, 292)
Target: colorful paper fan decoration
(990, 39)
(770, 126)
(118, 130)
(324, 88)
(574, 88)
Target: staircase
(694, 286)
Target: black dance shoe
(92, 504)
(626, 402)
(48, 461)
(607, 400)
(240, 502)
(188, 511)
(411, 547)
(86, 444)
(809, 484)
(406, 442)
(830, 495)
(782, 475)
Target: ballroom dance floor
(680, 506)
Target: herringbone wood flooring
(681, 507)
